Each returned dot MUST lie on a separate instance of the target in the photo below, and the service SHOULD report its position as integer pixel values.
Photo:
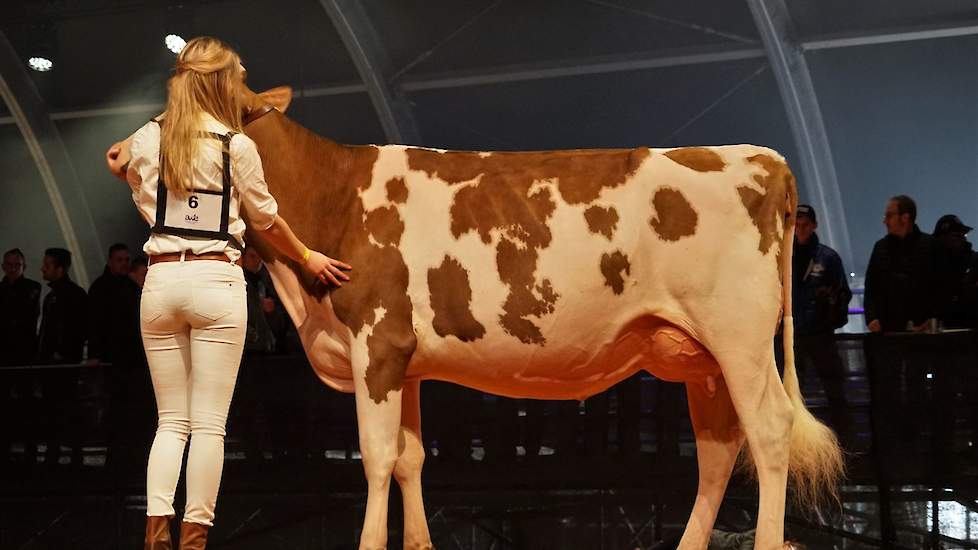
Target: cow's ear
(279, 97)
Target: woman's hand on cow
(327, 269)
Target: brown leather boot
(193, 536)
(157, 533)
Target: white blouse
(248, 187)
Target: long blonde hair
(206, 79)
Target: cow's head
(253, 106)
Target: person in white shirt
(193, 176)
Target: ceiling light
(40, 64)
(174, 43)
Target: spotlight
(174, 43)
(852, 274)
(40, 64)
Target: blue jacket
(819, 288)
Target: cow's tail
(816, 463)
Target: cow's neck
(310, 178)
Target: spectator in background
(900, 280)
(114, 340)
(114, 313)
(138, 269)
(63, 316)
(264, 309)
(264, 335)
(820, 298)
(953, 260)
(20, 305)
(62, 340)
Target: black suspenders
(225, 193)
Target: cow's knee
(378, 466)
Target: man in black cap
(957, 283)
(820, 299)
(900, 278)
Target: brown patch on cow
(397, 191)
(674, 217)
(451, 297)
(612, 266)
(526, 297)
(602, 220)
(500, 199)
(700, 159)
(385, 225)
(767, 207)
(580, 175)
(380, 276)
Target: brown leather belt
(189, 256)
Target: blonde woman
(193, 176)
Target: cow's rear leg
(766, 416)
(379, 423)
(718, 442)
(407, 469)
(677, 356)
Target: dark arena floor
(616, 472)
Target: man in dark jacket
(954, 258)
(820, 302)
(65, 311)
(62, 340)
(114, 341)
(114, 313)
(20, 305)
(900, 279)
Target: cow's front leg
(379, 423)
(407, 469)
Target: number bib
(201, 213)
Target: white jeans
(193, 318)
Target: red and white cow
(549, 275)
